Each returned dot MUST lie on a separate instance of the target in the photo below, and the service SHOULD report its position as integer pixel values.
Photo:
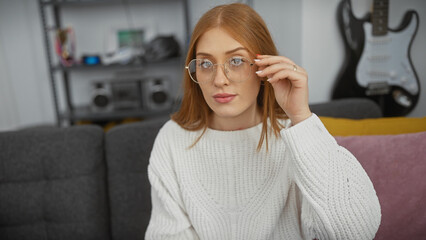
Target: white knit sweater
(305, 187)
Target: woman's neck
(240, 122)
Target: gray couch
(81, 183)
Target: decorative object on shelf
(91, 60)
(123, 56)
(134, 38)
(160, 48)
(125, 45)
(65, 46)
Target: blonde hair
(248, 28)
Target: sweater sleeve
(338, 198)
(168, 217)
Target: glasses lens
(238, 69)
(201, 70)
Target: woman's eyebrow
(236, 49)
(228, 52)
(205, 54)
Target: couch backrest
(128, 148)
(354, 108)
(396, 165)
(52, 184)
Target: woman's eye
(236, 61)
(205, 64)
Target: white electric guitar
(383, 70)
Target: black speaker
(156, 94)
(101, 97)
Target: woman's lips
(223, 97)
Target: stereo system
(151, 94)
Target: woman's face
(228, 98)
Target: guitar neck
(379, 18)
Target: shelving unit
(71, 113)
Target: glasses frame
(225, 68)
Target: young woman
(244, 157)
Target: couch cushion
(376, 126)
(52, 184)
(128, 148)
(396, 165)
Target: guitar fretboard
(380, 17)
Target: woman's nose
(220, 77)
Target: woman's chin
(226, 113)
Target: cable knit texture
(305, 187)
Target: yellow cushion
(374, 126)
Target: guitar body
(378, 67)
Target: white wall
(305, 31)
(284, 20)
(321, 46)
(24, 70)
(8, 106)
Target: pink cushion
(396, 165)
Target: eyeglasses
(237, 69)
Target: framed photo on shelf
(128, 37)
